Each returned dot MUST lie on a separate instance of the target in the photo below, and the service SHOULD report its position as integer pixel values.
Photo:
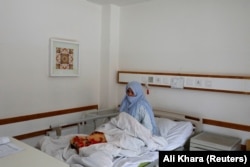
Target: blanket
(126, 137)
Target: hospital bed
(175, 128)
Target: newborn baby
(83, 141)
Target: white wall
(190, 36)
(207, 36)
(25, 85)
(26, 26)
(109, 56)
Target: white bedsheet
(178, 135)
(175, 132)
(123, 139)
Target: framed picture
(64, 57)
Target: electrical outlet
(157, 80)
(144, 79)
(198, 83)
(166, 81)
(189, 82)
(150, 79)
(177, 82)
(208, 83)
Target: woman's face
(130, 92)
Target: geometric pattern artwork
(64, 58)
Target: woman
(135, 104)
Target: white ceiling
(117, 2)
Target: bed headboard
(196, 121)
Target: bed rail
(91, 116)
(109, 113)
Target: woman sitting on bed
(135, 104)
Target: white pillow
(164, 125)
(179, 134)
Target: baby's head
(83, 141)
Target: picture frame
(64, 57)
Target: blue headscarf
(130, 104)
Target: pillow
(179, 134)
(164, 125)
